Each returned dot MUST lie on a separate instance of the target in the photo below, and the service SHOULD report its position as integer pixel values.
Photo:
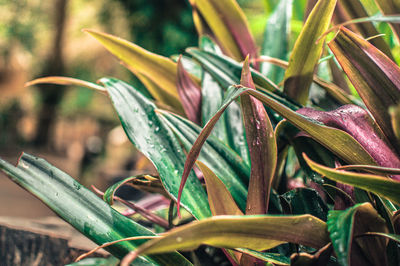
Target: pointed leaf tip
(158, 69)
(262, 146)
(306, 51)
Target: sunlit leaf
(379, 185)
(262, 146)
(157, 142)
(307, 51)
(344, 225)
(371, 168)
(258, 232)
(66, 81)
(373, 74)
(332, 89)
(160, 70)
(228, 24)
(216, 191)
(89, 214)
(393, 237)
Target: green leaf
(338, 141)
(225, 163)
(227, 72)
(110, 192)
(379, 185)
(160, 70)
(217, 191)
(373, 74)
(262, 146)
(276, 39)
(81, 208)
(110, 261)
(307, 51)
(306, 201)
(257, 232)
(344, 225)
(229, 129)
(228, 24)
(157, 142)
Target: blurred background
(74, 128)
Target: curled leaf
(66, 81)
(344, 225)
(373, 74)
(357, 122)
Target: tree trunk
(51, 95)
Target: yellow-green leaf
(219, 198)
(307, 51)
(160, 70)
(395, 119)
(66, 81)
(258, 232)
(228, 24)
(379, 185)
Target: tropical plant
(298, 166)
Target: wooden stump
(40, 242)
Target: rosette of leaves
(295, 162)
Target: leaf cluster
(291, 156)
